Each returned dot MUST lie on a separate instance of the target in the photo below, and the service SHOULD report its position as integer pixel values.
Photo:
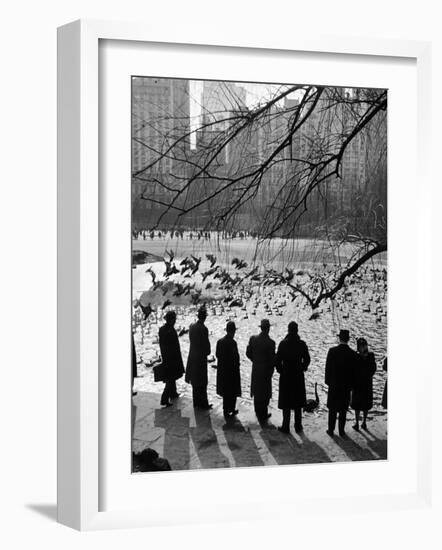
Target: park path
(192, 439)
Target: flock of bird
(242, 292)
(238, 283)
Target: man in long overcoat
(261, 351)
(292, 360)
(196, 369)
(339, 373)
(228, 377)
(134, 364)
(384, 395)
(171, 358)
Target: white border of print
(80, 468)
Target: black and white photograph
(259, 274)
(228, 218)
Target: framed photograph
(233, 253)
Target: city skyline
(163, 117)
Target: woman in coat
(292, 360)
(362, 392)
(171, 357)
(228, 377)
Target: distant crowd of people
(198, 234)
(348, 373)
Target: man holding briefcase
(173, 367)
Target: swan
(312, 404)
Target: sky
(256, 93)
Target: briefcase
(159, 373)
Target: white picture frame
(79, 263)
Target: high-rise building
(160, 146)
(219, 99)
(325, 131)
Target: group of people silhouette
(348, 373)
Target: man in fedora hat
(196, 368)
(292, 360)
(261, 351)
(171, 357)
(339, 372)
(228, 377)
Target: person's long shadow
(285, 449)
(353, 450)
(241, 445)
(206, 442)
(313, 452)
(379, 446)
(176, 437)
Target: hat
(230, 327)
(344, 335)
(265, 323)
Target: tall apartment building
(219, 99)
(160, 117)
(325, 130)
(245, 153)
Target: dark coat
(339, 372)
(228, 378)
(196, 369)
(362, 392)
(384, 395)
(134, 361)
(171, 353)
(292, 361)
(261, 351)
